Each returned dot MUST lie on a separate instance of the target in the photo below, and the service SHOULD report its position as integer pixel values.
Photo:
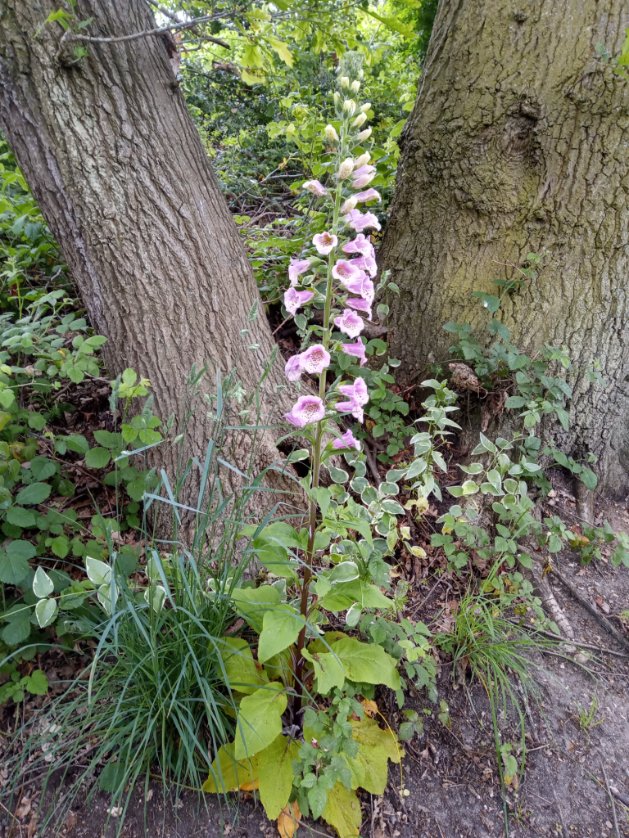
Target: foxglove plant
(337, 274)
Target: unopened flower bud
(355, 86)
(360, 120)
(349, 106)
(362, 160)
(349, 204)
(364, 108)
(344, 82)
(364, 135)
(330, 134)
(337, 98)
(346, 168)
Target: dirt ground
(576, 783)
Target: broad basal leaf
(367, 663)
(342, 811)
(280, 629)
(259, 720)
(229, 774)
(252, 603)
(275, 774)
(243, 674)
(328, 669)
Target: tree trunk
(518, 144)
(112, 156)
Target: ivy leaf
(280, 629)
(240, 668)
(275, 774)
(42, 583)
(366, 663)
(45, 611)
(342, 811)
(33, 494)
(376, 747)
(229, 774)
(259, 720)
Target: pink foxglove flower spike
(305, 411)
(325, 242)
(349, 323)
(294, 300)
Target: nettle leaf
(43, 585)
(280, 629)
(20, 517)
(229, 774)
(342, 811)
(36, 683)
(369, 768)
(275, 774)
(259, 720)
(33, 494)
(14, 565)
(18, 626)
(252, 603)
(366, 663)
(241, 670)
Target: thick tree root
(585, 503)
(587, 605)
(552, 606)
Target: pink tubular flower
(366, 263)
(360, 221)
(305, 411)
(315, 359)
(362, 176)
(296, 268)
(293, 368)
(368, 195)
(349, 323)
(357, 396)
(346, 270)
(359, 304)
(356, 350)
(325, 242)
(360, 244)
(347, 440)
(294, 299)
(362, 286)
(315, 187)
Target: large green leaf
(366, 663)
(275, 774)
(342, 811)
(272, 546)
(345, 594)
(328, 669)
(243, 674)
(252, 603)
(259, 720)
(280, 629)
(33, 494)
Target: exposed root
(587, 605)
(585, 503)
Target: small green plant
(589, 717)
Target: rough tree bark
(119, 171)
(518, 143)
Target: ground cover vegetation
(213, 647)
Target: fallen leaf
(288, 821)
(370, 707)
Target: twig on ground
(587, 605)
(603, 650)
(612, 801)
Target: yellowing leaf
(288, 821)
(241, 671)
(275, 770)
(376, 747)
(342, 811)
(282, 50)
(280, 629)
(229, 774)
(370, 707)
(259, 720)
(328, 670)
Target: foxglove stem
(319, 434)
